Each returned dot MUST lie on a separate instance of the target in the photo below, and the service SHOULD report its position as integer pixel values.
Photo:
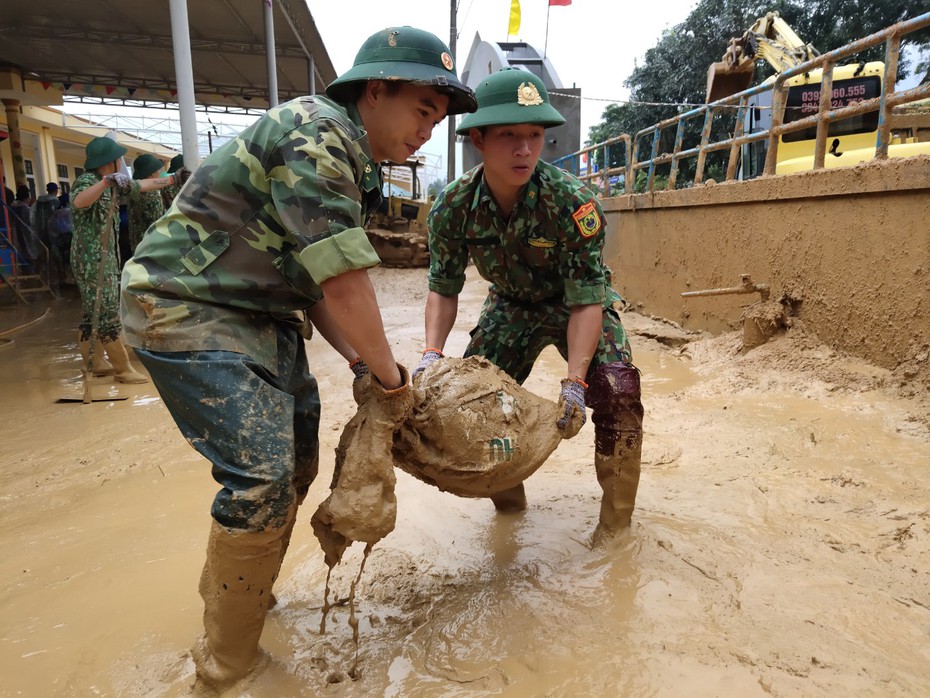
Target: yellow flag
(514, 27)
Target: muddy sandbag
(473, 430)
(361, 505)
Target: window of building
(30, 178)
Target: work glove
(429, 356)
(181, 176)
(119, 180)
(571, 402)
(361, 384)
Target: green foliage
(435, 188)
(675, 69)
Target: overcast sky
(592, 44)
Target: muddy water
(780, 545)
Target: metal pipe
(702, 148)
(734, 157)
(679, 137)
(892, 52)
(271, 60)
(312, 75)
(779, 99)
(826, 101)
(746, 286)
(184, 77)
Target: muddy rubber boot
(101, 366)
(510, 501)
(125, 373)
(235, 586)
(618, 476)
(617, 413)
(286, 540)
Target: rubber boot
(120, 360)
(101, 366)
(235, 586)
(510, 501)
(286, 541)
(617, 413)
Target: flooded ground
(781, 544)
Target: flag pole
(546, 45)
(450, 123)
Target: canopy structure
(115, 49)
(217, 53)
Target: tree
(435, 187)
(673, 72)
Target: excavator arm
(769, 38)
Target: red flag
(559, 2)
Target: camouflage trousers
(85, 263)
(511, 334)
(260, 431)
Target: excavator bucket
(724, 80)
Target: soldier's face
(401, 118)
(510, 152)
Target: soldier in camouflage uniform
(93, 219)
(145, 208)
(270, 226)
(537, 234)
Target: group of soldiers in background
(42, 232)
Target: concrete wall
(850, 246)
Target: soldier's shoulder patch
(587, 219)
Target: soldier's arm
(441, 312)
(353, 307)
(585, 280)
(448, 260)
(90, 195)
(584, 331)
(319, 315)
(147, 185)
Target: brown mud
(780, 546)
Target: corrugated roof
(118, 49)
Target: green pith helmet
(511, 96)
(409, 55)
(177, 162)
(102, 150)
(144, 165)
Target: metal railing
(736, 139)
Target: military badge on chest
(587, 219)
(543, 243)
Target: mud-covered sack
(473, 430)
(361, 505)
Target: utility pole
(450, 122)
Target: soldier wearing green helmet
(145, 207)
(266, 237)
(94, 241)
(537, 234)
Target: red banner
(559, 2)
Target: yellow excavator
(849, 141)
(397, 230)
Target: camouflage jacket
(89, 222)
(263, 221)
(168, 195)
(144, 209)
(549, 248)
